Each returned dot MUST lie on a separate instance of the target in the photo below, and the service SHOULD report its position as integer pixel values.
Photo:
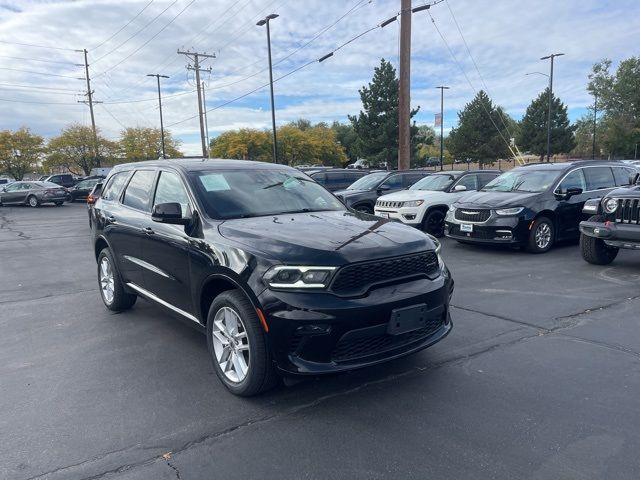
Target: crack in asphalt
(500, 317)
(608, 346)
(51, 295)
(175, 469)
(5, 224)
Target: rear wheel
(111, 287)
(541, 235)
(237, 345)
(33, 201)
(594, 250)
(433, 223)
(58, 204)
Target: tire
(541, 236)
(246, 348)
(364, 209)
(58, 204)
(433, 223)
(594, 250)
(112, 290)
(33, 201)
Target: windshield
(531, 181)
(436, 183)
(254, 193)
(87, 183)
(368, 182)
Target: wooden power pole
(404, 143)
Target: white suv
(425, 203)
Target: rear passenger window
(113, 189)
(574, 179)
(599, 178)
(622, 174)
(137, 193)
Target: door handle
(148, 231)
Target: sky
(465, 44)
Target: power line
(37, 46)
(41, 73)
(136, 33)
(38, 60)
(12, 100)
(124, 26)
(48, 93)
(36, 87)
(116, 102)
(113, 116)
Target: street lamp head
(271, 16)
(265, 20)
(442, 87)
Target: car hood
(324, 238)
(497, 199)
(407, 195)
(350, 193)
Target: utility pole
(552, 56)
(90, 102)
(265, 21)
(595, 124)
(158, 77)
(195, 57)
(404, 102)
(442, 89)
(206, 122)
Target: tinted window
(138, 191)
(469, 181)
(523, 180)
(13, 187)
(574, 180)
(485, 178)
(622, 174)
(394, 182)
(170, 189)
(411, 178)
(320, 177)
(114, 187)
(368, 181)
(599, 177)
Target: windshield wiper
(284, 181)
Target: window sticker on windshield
(291, 183)
(214, 182)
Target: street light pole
(552, 56)
(265, 21)
(158, 77)
(442, 89)
(595, 123)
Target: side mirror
(633, 178)
(168, 213)
(3, 189)
(384, 188)
(572, 191)
(459, 188)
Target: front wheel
(111, 288)
(364, 209)
(594, 250)
(58, 204)
(433, 223)
(33, 201)
(237, 345)
(541, 235)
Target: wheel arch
(551, 215)
(217, 283)
(99, 245)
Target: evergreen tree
(476, 136)
(533, 127)
(376, 126)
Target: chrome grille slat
(628, 211)
(472, 214)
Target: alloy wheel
(33, 201)
(107, 281)
(231, 344)
(543, 236)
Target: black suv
(535, 205)
(362, 194)
(277, 272)
(337, 178)
(66, 180)
(615, 225)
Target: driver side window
(394, 182)
(574, 180)
(170, 189)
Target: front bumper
(620, 235)
(408, 216)
(317, 333)
(501, 230)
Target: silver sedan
(33, 193)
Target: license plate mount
(466, 227)
(407, 319)
(383, 214)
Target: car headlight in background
(285, 276)
(610, 205)
(413, 203)
(509, 211)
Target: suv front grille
(351, 349)
(472, 215)
(389, 204)
(357, 278)
(628, 211)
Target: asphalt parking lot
(539, 379)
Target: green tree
(144, 143)
(73, 150)
(583, 136)
(533, 127)
(480, 134)
(619, 98)
(346, 135)
(243, 144)
(376, 126)
(20, 152)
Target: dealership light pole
(552, 56)
(158, 77)
(265, 21)
(442, 89)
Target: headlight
(510, 211)
(610, 205)
(413, 203)
(438, 245)
(284, 276)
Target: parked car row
(33, 194)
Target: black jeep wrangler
(615, 225)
